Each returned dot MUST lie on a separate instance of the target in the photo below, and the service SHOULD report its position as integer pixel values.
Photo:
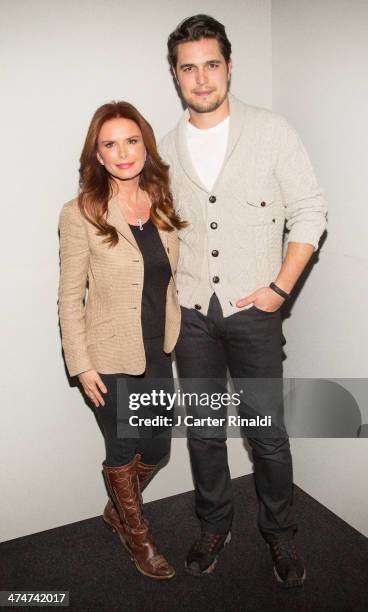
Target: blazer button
(263, 203)
(214, 253)
(213, 225)
(212, 199)
(216, 279)
(197, 306)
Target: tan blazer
(103, 331)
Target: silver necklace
(138, 219)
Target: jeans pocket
(264, 312)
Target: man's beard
(206, 107)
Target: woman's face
(120, 148)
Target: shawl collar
(237, 117)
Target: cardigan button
(216, 279)
(197, 306)
(212, 199)
(213, 225)
(214, 253)
(263, 203)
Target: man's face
(202, 74)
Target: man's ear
(173, 72)
(229, 69)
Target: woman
(119, 238)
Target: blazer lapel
(165, 239)
(116, 218)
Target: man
(237, 174)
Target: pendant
(140, 223)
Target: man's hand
(265, 299)
(92, 385)
(297, 256)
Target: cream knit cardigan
(266, 183)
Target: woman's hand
(92, 385)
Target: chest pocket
(260, 206)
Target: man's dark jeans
(248, 344)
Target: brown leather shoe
(123, 485)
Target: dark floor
(89, 561)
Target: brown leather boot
(123, 485)
(145, 472)
(112, 519)
(110, 516)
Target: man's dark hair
(196, 28)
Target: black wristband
(279, 291)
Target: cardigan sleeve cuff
(305, 234)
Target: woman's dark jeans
(121, 450)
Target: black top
(157, 273)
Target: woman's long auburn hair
(96, 185)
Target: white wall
(320, 58)
(59, 61)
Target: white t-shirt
(207, 148)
